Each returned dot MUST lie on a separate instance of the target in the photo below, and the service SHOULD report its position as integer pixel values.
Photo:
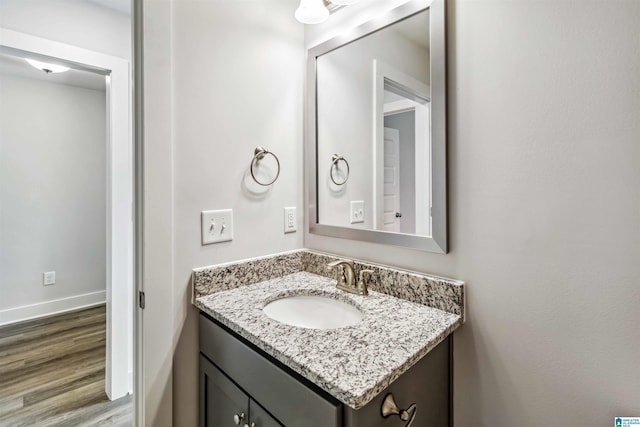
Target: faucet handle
(365, 275)
(363, 282)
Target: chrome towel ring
(334, 165)
(258, 154)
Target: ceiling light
(46, 67)
(311, 12)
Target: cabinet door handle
(389, 407)
(238, 418)
(252, 425)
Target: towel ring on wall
(258, 154)
(334, 164)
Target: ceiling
(18, 67)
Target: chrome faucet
(347, 277)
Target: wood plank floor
(52, 373)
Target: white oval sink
(313, 311)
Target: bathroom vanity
(238, 381)
(258, 371)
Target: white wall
(75, 22)
(237, 84)
(544, 204)
(52, 194)
(345, 118)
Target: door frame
(120, 183)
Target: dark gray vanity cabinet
(237, 378)
(427, 384)
(293, 402)
(222, 403)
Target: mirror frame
(437, 242)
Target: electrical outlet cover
(290, 220)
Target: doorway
(118, 294)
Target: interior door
(391, 192)
(220, 400)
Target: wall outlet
(49, 278)
(217, 226)
(290, 220)
(357, 212)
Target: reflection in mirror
(403, 201)
(373, 111)
(394, 62)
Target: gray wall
(544, 208)
(543, 202)
(52, 190)
(245, 90)
(158, 343)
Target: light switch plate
(217, 226)
(290, 220)
(357, 211)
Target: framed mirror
(376, 130)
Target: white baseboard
(47, 308)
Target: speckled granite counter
(353, 364)
(433, 291)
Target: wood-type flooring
(52, 373)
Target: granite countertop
(355, 363)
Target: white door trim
(119, 192)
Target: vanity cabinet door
(260, 417)
(220, 399)
(292, 402)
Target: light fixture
(343, 2)
(311, 12)
(46, 67)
